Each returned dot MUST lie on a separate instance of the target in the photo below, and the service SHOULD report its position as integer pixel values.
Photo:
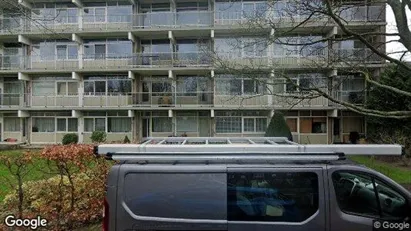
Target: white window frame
(119, 117)
(66, 119)
(255, 123)
(66, 21)
(9, 117)
(44, 117)
(67, 56)
(66, 82)
(94, 123)
(94, 14)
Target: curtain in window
(44, 124)
(100, 124)
(11, 124)
(61, 124)
(119, 124)
(88, 125)
(261, 124)
(162, 124)
(72, 125)
(249, 124)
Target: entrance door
(146, 127)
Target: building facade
(137, 68)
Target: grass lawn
(401, 175)
(36, 173)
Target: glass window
(119, 86)
(72, 125)
(228, 124)
(160, 87)
(100, 87)
(100, 14)
(72, 15)
(187, 124)
(43, 88)
(72, 88)
(249, 124)
(313, 125)
(61, 16)
(72, 51)
(44, 124)
(261, 124)
(355, 193)
(61, 88)
(162, 124)
(249, 86)
(100, 51)
(272, 197)
(393, 205)
(88, 125)
(291, 86)
(100, 124)
(89, 87)
(119, 49)
(61, 51)
(61, 124)
(11, 124)
(119, 124)
(188, 86)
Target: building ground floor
(48, 127)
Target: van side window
(271, 197)
(357, 193)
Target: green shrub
(43, 197)
(126, 140)
(278, 127)
(98, 137)
(70, 139)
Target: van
(249, 184)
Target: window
(95, 14)
(66, 51)
(12, 124)
(119, 86)
(313, 125)
(272, 197)
(160, 87)
(228, 124)
(67, 125)
(188, 86)
(43, 124)
(255, 124)
(162, 124)
(42, 88)
(119, 125)
(94, 124)
(67, 88)
(357, 193)
(187, 124)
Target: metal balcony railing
(11, 62)
(356, 55)
(38, 62)
(152, 20)
(12, 100)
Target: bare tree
(344, 40)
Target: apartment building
(137, 68)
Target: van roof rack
(239, 149)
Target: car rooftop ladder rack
(234, 150)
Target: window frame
(373, 177)
(66, 124)
(66, 86)
(319, 189)
(19, 129)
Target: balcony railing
(357, 55)
(11, 62)
(362, 13)
(152, 20)
(37, 62)
(12, 100)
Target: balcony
(238, 61)
(308, 59)
(176, 59)
(362, 55)
(168, 20)
(106, 23)
(37, 62)
(173, 20)
(287, 102)
(242, 100)
(362, 14)
(172, 99)
(58, 101)
(12, 100)
(11, 62)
